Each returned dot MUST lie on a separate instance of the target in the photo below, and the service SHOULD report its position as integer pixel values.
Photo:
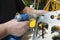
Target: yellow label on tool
(32, 23)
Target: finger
(41, 11)
(24, 22)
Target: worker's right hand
(17, 28)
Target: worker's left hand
(33, 12)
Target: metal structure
(49, 5)
(54, 4)
(51, 19)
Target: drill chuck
(22, 17)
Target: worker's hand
(17, 28)
(33, 12)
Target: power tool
(25, 17)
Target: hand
(17, 28)
(33, 12)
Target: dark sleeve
(19, 5)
